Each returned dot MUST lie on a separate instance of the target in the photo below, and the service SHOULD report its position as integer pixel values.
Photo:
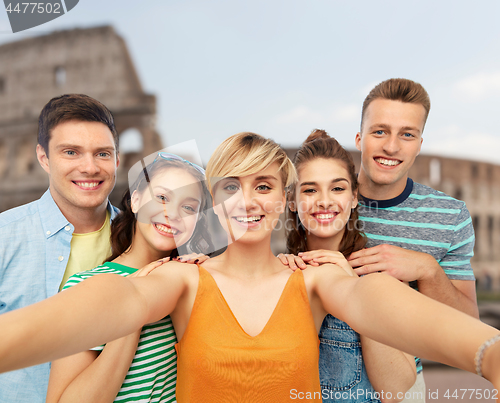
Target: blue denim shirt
(35, 241)
(342, 371)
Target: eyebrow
(266, 178)
(315, 183)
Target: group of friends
(377, 270)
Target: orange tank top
(219, 362)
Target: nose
(171, 212)
(89, 165)
(391, 144)
(246, 200)
(324, 201)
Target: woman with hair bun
(328, 187)
(161, 214)
(247, 324)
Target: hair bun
(317, 134)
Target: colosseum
(34, 70)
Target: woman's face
(324, 198)
(167, 211)
(249, 207)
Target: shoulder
(317, 274)
(18, 214)
(176, 270)
(79, 277)
(429, 196)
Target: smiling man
(415, 233)
(67, 230)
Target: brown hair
(320, 145)
(245, 154)
(123, 225)
(72, 107)
(398, 89)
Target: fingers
(317, 257)
(144, 271)
(320, 253)
(369, 268)
(364, 253)
(283, 259)
(192, 258)
(292, 261)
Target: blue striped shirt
(424, 220)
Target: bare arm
(407, 265)
(90, 376)
(372, 306)
(73, 320)
(96, 376)
(388, 369)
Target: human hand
(292, 261)
(320, 256)
(192, 258)
(403, 264)
(144, 271)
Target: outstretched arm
(388, 369)
(74, 320)
(372, 305)
(407, 265)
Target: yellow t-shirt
(88, 250)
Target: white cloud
(451, 141)
(479, 86)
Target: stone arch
(131, 141)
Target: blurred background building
(95, 61)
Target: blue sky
(282, 68)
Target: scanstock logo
(24, 15)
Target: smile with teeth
(89, 185)
(325, 216)
(249, 219)
(165, 229)
(387, 162)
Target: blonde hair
(246, 154)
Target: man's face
(390, 140)
(81, 164)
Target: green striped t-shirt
(153, 373)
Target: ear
(358, 141)
(354, 200)
(292, 207)
(42, 157)
(420, 148)
(134, 202)
(117, 159)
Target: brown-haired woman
(161, 214)
(326, 191)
